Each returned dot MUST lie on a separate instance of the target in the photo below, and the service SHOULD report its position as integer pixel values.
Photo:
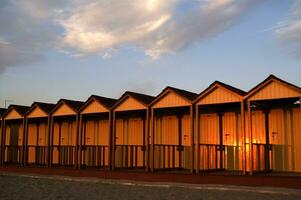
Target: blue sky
(258, 38)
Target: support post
(221, 142)
(147, 135)
(191, 139)
(113, 141)
(80, 140)
(267, 139)
(153, 140)
(76, 141)
(51, 141)
(197, 139)
(23, 142)
(250, 138)
(110, 141)
(242, 115)
(3, 136)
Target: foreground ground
(16, 186)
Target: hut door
(13, 150)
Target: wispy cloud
(289, 30)
(88, 27)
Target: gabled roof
(235, 90)
(267, 81)
(107, 102)
(142, 98)
(20, 109)
(2, 111)
(190, 96)
(46, 107)
(74, 105)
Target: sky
(75, 48)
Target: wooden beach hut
(219, 137)
(172, 129)
(273, 124)
(37, 134)
(13, 122)
(129, 130)
(64, 128)
(95, 132)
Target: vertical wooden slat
(191, 139)
(267, 143)
(25, 141)
(221, 142)
(198, 140)
(49, 134)
(242, 115)
(3, 141)
(76, 140)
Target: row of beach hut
(221, 129)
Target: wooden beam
(76, 141)
(191, 139)
(153, 141)
(242, 115)
(80, 140)
(23, 142)
(250, 138)
(197, 139)
(113, 141)
(147, 135)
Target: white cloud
(85, 27)
(289, 30)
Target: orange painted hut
(95, 132)
(129, 130)
(219, 133)
(13, 134)
(37, 134)
(172, 129)
(273, 125)
(64, 128)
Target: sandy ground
(14, 186)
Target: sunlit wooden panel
(36, 112)
(186, 130)
(43, 135)
(275, 90)
(7, 135)
(13, 114)
(130, 104)
(32, 135)
(103, 132)
(63, 109)
(170, 130)
(135, 131)
(297, 140)
(94, 107)
(258, 127)
(90, 133)
(55, 134)
(119, 139)
(171, 100)
(209, 129)
(20, 136)
(219, 95)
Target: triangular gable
(129, 103)
(273, 89)
(94, 107)
(12, 114)
(171, 99)
(36, 112)
(63, 109)
(218, 95)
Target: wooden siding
(13, 114)
(129, 131)
(219, 95)
(130, 104)
(62, 110)
(274, 90)
(97, 132)
(94, 107)
(36, 112)
(171, 100)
